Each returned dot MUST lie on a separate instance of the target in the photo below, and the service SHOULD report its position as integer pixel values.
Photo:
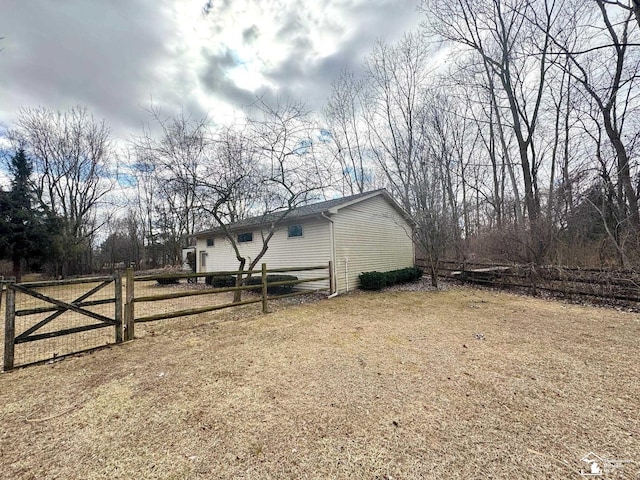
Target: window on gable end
(294, 231)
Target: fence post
(332, 285)
(264, 288)
(118, 305)
(129, 320)
(9, 329)
(532, 278)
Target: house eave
(256, 226)
(302, 217)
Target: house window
(245, 237)
(203, 261)
(209, 242)
(294, 231)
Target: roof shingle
(299, 212)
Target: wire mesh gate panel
(47, 320)
(52, 319)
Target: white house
(359, 233)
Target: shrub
(392, 277)
(418, 272)
(254, 281)
(409, 274)
(168, 281)
(379, 280)
(276, 289)
(404, 275)
(220, 281)
(281, 289)
(372, 280)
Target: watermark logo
(599, 467)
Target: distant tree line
(70, 154)
(521, 145)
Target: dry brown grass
(455, 384)
(30, 352)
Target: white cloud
(115, 57)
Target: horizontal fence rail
(68, 313)
(571, 282)
(54, 298)
(262, 288)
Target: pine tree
(27, 234)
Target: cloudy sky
(117, 56)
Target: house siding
(313, 248)
(370, 235)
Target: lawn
(460, 383)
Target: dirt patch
(445, 384)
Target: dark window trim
(295, 236)
(245, 237)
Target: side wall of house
(370, 235)
(312, 248)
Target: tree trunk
(434, 275)
(624, 176)
(237, 295)
(17, 269)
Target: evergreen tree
(28, 235)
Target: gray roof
(297, 213)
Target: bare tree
(541, 113)
(490, 154)
(516, 55)
(123, 244)
(270, 169)
(233, 173)
(170, 155)
(633, 6)
(143, 201)
(610, 78)
(434, 202)
(291, 173)
(230, 187)
(344, 113)
(594, 50)
(396, 77)
(71, 153)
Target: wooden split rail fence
(63, 311)
(607, 284)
